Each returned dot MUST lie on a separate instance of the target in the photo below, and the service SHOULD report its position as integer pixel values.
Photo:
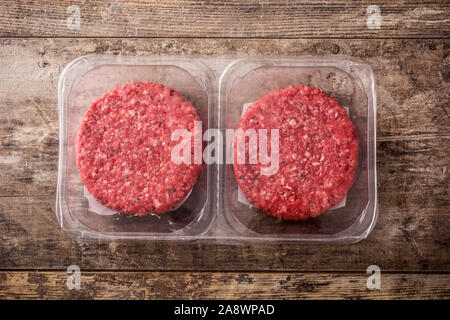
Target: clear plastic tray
(218, 87)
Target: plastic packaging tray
(219, 88)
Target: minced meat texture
(123, 149)
(318, 153)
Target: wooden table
(410, 56)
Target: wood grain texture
(413, 84)
(171, 18)
(219, 285)
(411, 234)
(410, 242)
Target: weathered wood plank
(415, 165)
(413, 130)
(170, 18)
(219, 285)
(412, 79)
(411, 235)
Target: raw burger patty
(124, 145)
(318, 148)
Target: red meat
(123, 149)
(318, 153)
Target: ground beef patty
(123, 149)
(318, 153)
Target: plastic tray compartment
(352, 84)
(86, 79)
